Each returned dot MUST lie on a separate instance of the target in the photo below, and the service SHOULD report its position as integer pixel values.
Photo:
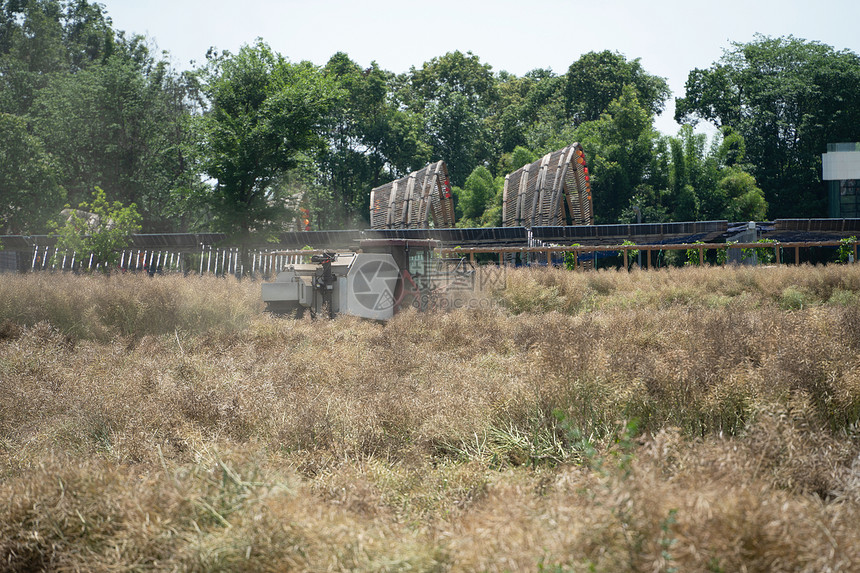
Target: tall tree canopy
(39, 38)
(598, 78)
(264, 113)
(619, 146)
(99, 106)
(120, 125)
(242, 142)
(788, 98)
(454, 93)
(370, 140)
(31, 195)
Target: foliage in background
(479, 201)
(99, 228)
(619, 151)
(105, 111)
(787, 98)
(121, 124)
(264, 115)
(98, 108)
(32, 195)
(763, 255)
(570, 258)
(597, 79)
(693, 255)
(846, 249)
(41, 40)
(370, 140)
(723, 254)
(632, 254)
(455, 95)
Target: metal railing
(208, 260)
(222, 261)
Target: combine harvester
(382, 276)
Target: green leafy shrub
(570, 259)
(693, 255)
(631, 253)
(845, 252)
(765, 255)
(99, 229)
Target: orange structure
(418, 201)
(555, 190)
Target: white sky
(671, 37)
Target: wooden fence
(544, 254)
(226, 261)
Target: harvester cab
(375, 281)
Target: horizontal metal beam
(797, 230)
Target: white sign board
(840, 165)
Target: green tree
(106, 111)
(100, 229)
(122, 125)
(492, 216)
(476, 195)
(620, 150)
(454, 94)
(39, 38)
(744, 200)
(596, 79)
(370, 140)
(787, 98)
(453, 72)
(521, 157)
(459, 132)
(690, 180)
(403, 141)
(691, 175)
(352, 161)
(517, 158)
(264, 114)
(87, 34)
(31, 49)
(30, 194)
(530, 111)
(508, 120)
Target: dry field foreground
(678, 420)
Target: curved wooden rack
(414, 201)
(554, 190)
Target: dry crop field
(677, 420)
